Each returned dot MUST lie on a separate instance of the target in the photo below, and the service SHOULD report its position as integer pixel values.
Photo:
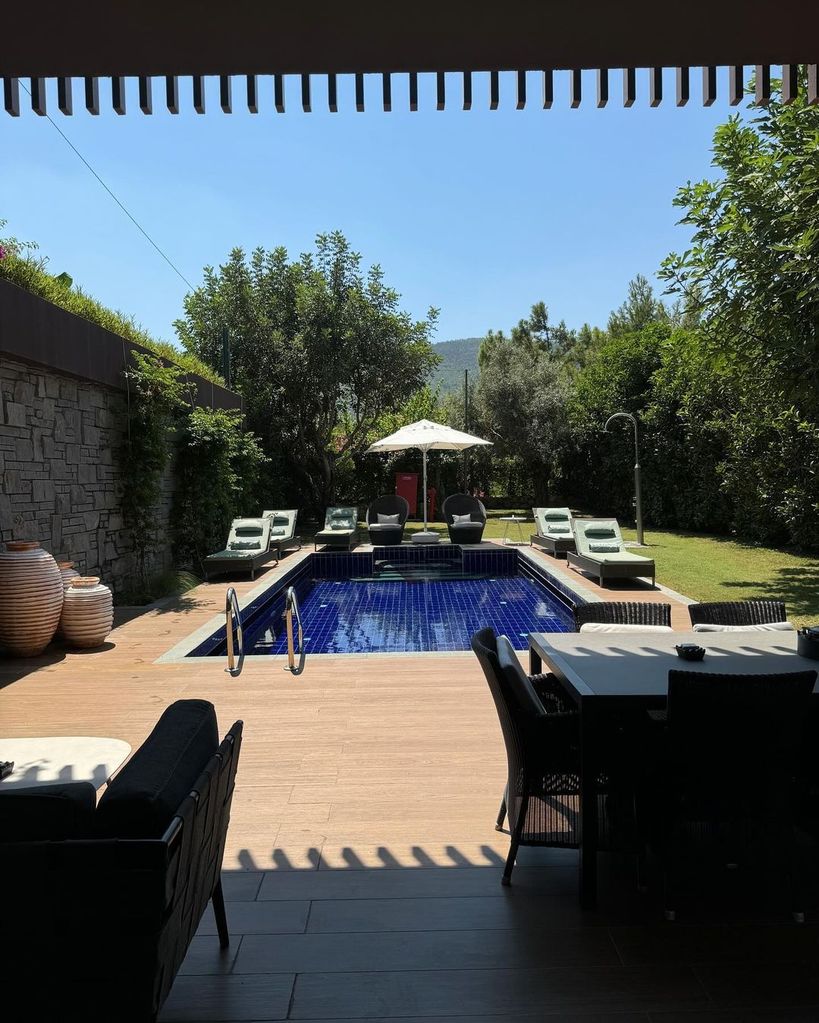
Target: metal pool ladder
(291, 609)
(232, 613)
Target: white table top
(637, 664)
(61, 758)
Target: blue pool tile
(435, 615)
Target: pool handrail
(232, 612)
(291, 608)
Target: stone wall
(59, 438)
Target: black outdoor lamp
(638, 505)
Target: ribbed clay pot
(31, 598)
(88, 612)
(68, 572)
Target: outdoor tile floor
(363, 868)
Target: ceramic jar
(68, 572)
(31, 598)
(88, 612)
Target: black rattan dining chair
(542, 753)
(614, 612)
(725, 781)
(738, 612)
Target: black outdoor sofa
(100, 902)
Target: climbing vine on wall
(216, 466)
(216, 472)
(156, 398)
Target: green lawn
(711, 567)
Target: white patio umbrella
(427, 436)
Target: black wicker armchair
(462, 529)
(738, 612)
(542, 752)
(725, 780)
(612, 612)
(390, 507)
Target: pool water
(347, 616)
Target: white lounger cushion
(621, 558)
(766, 627)
(614, 627)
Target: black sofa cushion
(47, 812)
(141, 801)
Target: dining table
(611, 676)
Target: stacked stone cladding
(60, 482)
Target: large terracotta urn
(88, 612)
(31, 598)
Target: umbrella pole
(424, 491)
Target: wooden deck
(363, 868)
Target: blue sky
(479, 213)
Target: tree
(320, 350)
(753, 265)
(639, 310)
(521, 399)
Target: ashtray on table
(690, 651)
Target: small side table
(509, 520)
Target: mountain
(456, 356)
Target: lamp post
(638, 505)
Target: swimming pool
(405, 600)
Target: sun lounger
(340, 528)
(247, 550)
(554, 530)
(601, 552)
(283, 530)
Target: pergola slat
(38, 96)
(520, 102)
(655, 86)
(440, 91)
(790, 82)
(278, 93)
(146, 102)
(11, 96)
(252, 94)
(548, 88)
(172, 94)
(359, 93)
(226, 93)
(629, 86)
(736, 84)
(65, 97)
(92, 95)
(332, 94)
(199, 94)
(813, 84)
(494, 90)
(413, 91)
(602, 86)
(118, 95)
(467, 90)
(683, 85)
(709, 86)
(762, 92)
(386, 91)
(575, 89)
(305, 94)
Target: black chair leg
(218, 900)
(506, 880)
(501, 815)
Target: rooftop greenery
(21, 265)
